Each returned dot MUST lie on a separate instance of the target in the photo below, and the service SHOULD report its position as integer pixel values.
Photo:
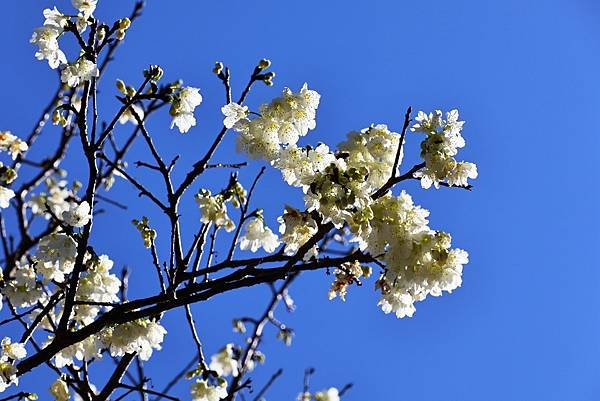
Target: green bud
(218, 68)
(268, 78)
(130, 91)
(121, 87)
(154, 72)
(124, 24)
(264, 64)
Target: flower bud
(131, 91)
(120, 35)
(154, 73)
(268, 78)
(124, 23)
(218, 68)
(56, 117)
(121, 87)
(264, 64)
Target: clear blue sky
(524, 74)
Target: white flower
(46, 38)
(6, 195)
(86, 7)
(12, 144)
(281, 122)
(128, 115)
(96, 284)
(78, 215)
(258, 235)
(60, 390)
(55, 199)
(12, 350)
(296, 228)
(233, 113)
(80, 71)
(300, 165)
(202, 391)
(23, 289)
(85, 350)
(182, 108)
(141, 336)
(463, 171)
(55, 18)
(55, 256)
(214, 210)
(223, 362)
(331, 394)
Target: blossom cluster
(98, 289)
(14, 146)
(9, 353)
(281, 122)
(339, 187)
(442, 140)
(46, 38)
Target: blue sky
(525, 323)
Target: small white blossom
(86, 7)
(233, 113)
(12, 144)
(296, 228)
(331, 394)
(23, 289)
(202, 391)
(46, 38)
(141, 336)
(56, 198)
(258, 235)
(182, 108)
(78, 215)
(55, 18)
(223, 362)
(12, 350)
(55, 256)
(6, 194)
(80, 71)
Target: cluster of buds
(285, 334)
(153, 73)
(126, 90)
(147, 233)
(267, 78)
(122, 25)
